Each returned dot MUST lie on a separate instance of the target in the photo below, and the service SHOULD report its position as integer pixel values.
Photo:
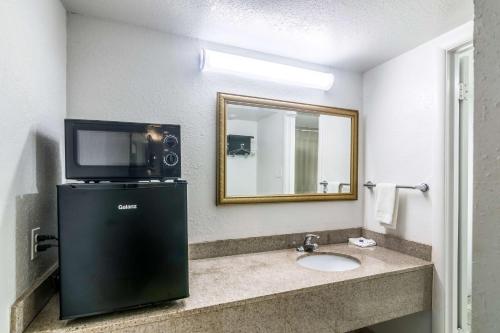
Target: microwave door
(116, 151)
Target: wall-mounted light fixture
(214, 61)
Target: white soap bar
(362, 242)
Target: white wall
(404, 103)
(486, 228)
(32, 106)
(241, 170)
(123, 72)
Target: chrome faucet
(310, 243)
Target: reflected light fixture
(214, 61)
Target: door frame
(451, 190)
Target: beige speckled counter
(269, 292)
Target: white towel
(386, 206)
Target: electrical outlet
(34, 232)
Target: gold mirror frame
(223, 99)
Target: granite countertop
(232, 280)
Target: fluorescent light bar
(214, 61)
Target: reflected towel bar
(325, 183)
(422, 187)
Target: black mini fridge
(121, 246)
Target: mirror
(277, 151)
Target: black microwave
(121, 151)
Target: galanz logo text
(124, 207)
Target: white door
(334, 154)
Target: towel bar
(422, 187)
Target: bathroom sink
(328, 262)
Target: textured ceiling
(350, 34)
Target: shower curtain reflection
(306, 160)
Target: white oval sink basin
(328, 262)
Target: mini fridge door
(121, 246)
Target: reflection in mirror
(272, 151)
